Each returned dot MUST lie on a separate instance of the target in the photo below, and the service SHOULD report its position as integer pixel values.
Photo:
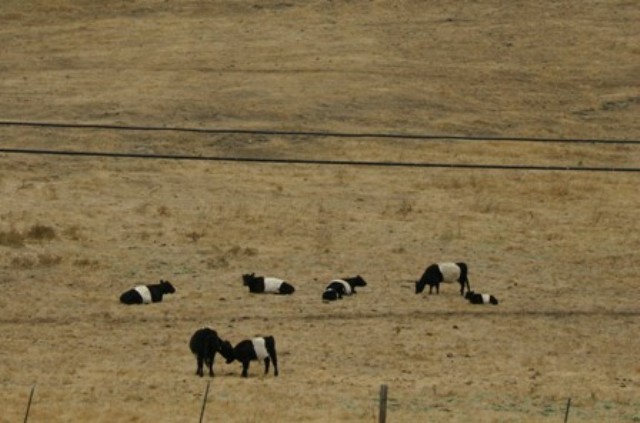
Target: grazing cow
(204, 344)
(263, 285)
(481, 298)
(443, 272)
(146, 294)
(338, 288)
(261, 348)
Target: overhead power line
(325, 134)
(314, 161)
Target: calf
(263, 285)
(146, 294)
(338, 288)
(481, 298)
(262, 348)
(204, 344)
(443, 272)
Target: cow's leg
(266, 365)
(209, 362)
(271, 349)
(245, 368)
(274, 358)
(199, 371)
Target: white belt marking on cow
(450, 272)
(486, 298)
(347, 287)
(272, 284)
(144, 292)
(260, 348)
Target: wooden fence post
(382, 416)
(566, 413)
(204, 401)
(26, 416)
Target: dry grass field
(560, 249)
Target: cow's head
(359, 281)
(226, 350)
(248, 279)
(167, 288)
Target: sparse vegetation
(41, 233)
(12, 238)
(195, 236)
(405, 208)
(164, 211)
(73, 233)
(86, 263)
(223, 260)
(37, 232)
(24, 262)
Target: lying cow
(146, 294)
(481, 298)
(338, 288)
(266, 285)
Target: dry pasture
(559, 249)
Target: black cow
(338, 288)
(443, 272)
(146, 294)
(261, 348)
(204, 344)
(266, 285)
(481, 298)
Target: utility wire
(325, 134)
(314, 161)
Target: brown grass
(12, 238)
(558, 249)
(41, 233)
(37, 232)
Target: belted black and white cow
(146, 294)
(438, 273)
(267, 285)
(338, 288)
(481, 298)
(204, 344)
(256, 349)
(331, 294)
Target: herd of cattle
(205, 342)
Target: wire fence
(381, 404)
